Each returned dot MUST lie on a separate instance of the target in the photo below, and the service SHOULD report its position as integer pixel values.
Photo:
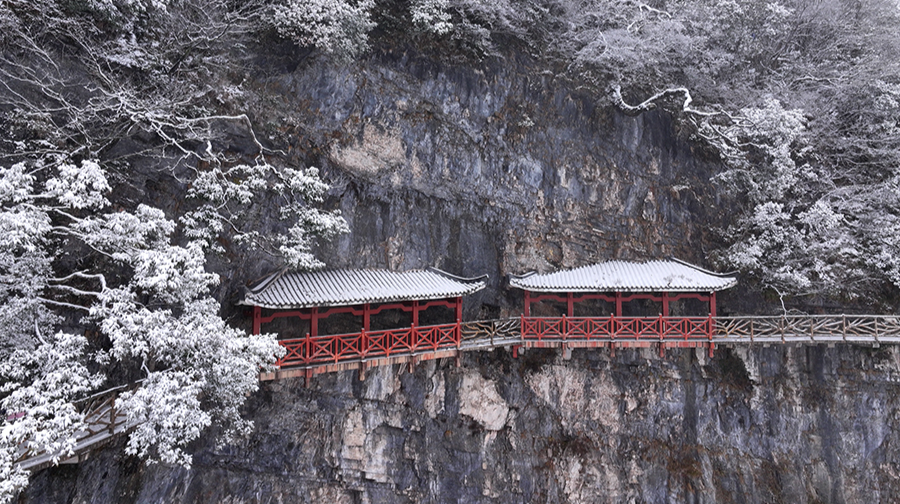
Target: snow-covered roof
(625, 276)
(285, 289)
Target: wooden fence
(103, 421)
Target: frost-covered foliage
(432, 16)
(101, 283)
(800, 100)
(157, 313)
(294, 190)
(340, 27)
(38, 388)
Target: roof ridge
(265, 282)
(455, 277)
(344, 286)
(666, 274)
(704, 270)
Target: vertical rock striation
(494, 168)
(780, 424)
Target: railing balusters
(311, 351)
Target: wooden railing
(612, 329)
(742, 329)
(809, 328)
(490, 333)
(335, 348)
(312, 351)
(102, 419)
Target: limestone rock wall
(496, 167)
(780, 424)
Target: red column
(458, 322)
(570, 305)
(314, 322)
(257, 316)
(712, 304)
(415, 313)
(527, 303)
(364, 339)
(618, 304)
(665, 303)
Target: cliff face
(496, 169)
(500, 168)
(780, 424)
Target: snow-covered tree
(800, 100)
(80, 255)
(340, 27)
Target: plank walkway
(329, 353)
(104, 421)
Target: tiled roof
(285, 289)
(625, 276)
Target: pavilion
(617, 283)
(312, 298)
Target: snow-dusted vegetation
(76, 256)
(800, 99)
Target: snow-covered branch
(651, 102)
(139, 273)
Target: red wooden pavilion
(619, 282)
(316, 296)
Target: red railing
(614, 328)
(334, 348)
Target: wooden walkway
(310, 356)
(328, 353)
(103, 422)
(812, 329)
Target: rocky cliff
(780, 424)
(500, 167)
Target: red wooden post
(570, 304)
(257, 316)
(712, 304)
(363, 343)
(458, 322)
(308, 357)
(314, 321)
(527, 303)
(618, 312)
(665, 303)
(415, 312)
(367, 316)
